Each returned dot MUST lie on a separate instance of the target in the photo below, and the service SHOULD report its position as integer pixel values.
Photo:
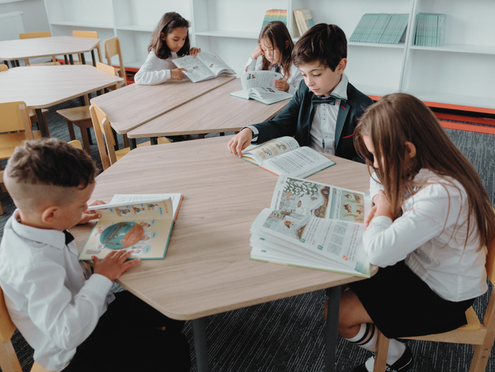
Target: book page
(295, 195)
(301, 162)
(176, 199)
(142, 228)
(268, 94)
(253, 79)
(215, 64)
(196, 69)
(258, 153)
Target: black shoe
(404, 363)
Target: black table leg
(41, 123)
(331, 334)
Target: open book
(138, 223)
(313, 225)
(260, 86)
(284, 156)
(204, 66)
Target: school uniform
(325, 124)
(295, 74)
(155, 70)
(60, 307)
(427, 279)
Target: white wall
(34, 14)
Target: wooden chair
(34, 35)
(112, 48)
(80, 115)
(8, 358)
(105, 138)
(479, 336)
(89, 35)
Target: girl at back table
(274, 53)
(427, 231)
(170, 40)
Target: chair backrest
(35, 35)
(104, 136)
(7, 327)
(112, 48)
(15, 117)
(89, 35)
(76, 144)
(490, 261)
(3, 67)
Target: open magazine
(284, 156)
(141, 224)
(313, 225)
(260, 86)
(204, 66)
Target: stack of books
(303, 19)
(381, 28)
(274, 15)
(430, 29)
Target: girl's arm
(152, 71)
(254, 64)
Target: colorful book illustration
(274, 15)
(142, 227)
(313, 225)
(284, 156)
(381, 28)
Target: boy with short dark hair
(325, 109)
(67, 314)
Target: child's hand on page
(194, 51)
(114, 264)
(240, 141)
(90, 215)
(282, 85)
(177, 74)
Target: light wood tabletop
(45, 46)
(44, 86)
(207, 269)
(134, 105)
(212, 112)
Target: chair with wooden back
(479, 335)
(105, 139)
(89, 35)
(8, 358)
(35, 35)
(112, 48)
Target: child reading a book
(427, 232)
(325, 109)
(170, 40)
(68, 315)
(274, 53)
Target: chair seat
(9, 141)
(76, 114)
(473, 323)
(37, 368)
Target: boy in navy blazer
(325, 109)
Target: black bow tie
(330, 100)
(68, 237)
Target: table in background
(213, 112)
(14, 50)
(133, 105)
(207, 269)
(44, 86)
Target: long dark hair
(278, 34)
(399, 118)
(167, 24)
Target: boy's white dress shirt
(48, 296)
(430, 236)
(293, 80)
(155, 70)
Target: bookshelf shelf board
(455, 101)
(458, 48)
(84, 24)
(377, 45)
(233, 34)
(138, 28)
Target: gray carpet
(288, 335)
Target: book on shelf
(138, 223)
(313, 225)
(430, 29)
(274, 15)
(260, 86)
(381, 28)
(283, 155)
(204, 66)
(304, 20)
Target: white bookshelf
(459, 72)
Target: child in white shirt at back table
(169, 41)
(274, 53)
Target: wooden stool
(79, 116)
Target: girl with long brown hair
(428, 231)
(170, 40)
(274, 53)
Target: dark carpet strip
(288, 335)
